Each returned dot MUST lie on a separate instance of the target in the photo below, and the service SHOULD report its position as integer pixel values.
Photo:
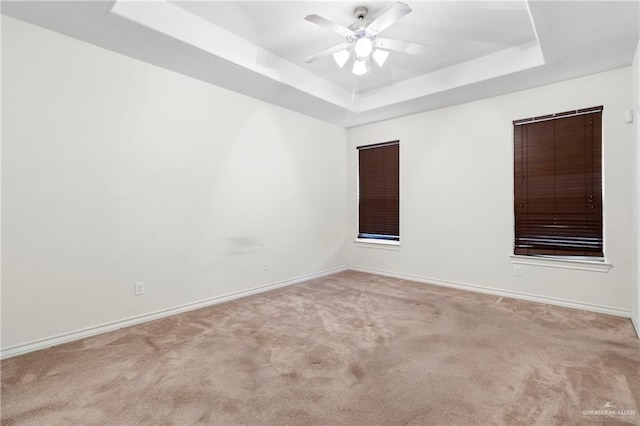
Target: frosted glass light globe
(341, 57)
(359, 67)
(363, 47)
(380, 56)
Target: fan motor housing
(359, 27)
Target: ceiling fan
(363, 41)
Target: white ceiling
(477, 49)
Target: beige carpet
(348, 349)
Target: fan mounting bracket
(360, 12)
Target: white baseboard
(636, 325)
(505, 293)
(139, 319)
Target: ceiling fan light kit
(362, 41)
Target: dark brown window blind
(379, 181)
(558, 184)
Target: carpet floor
(346, 349)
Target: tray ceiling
(476, 49)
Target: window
(558, 184)
(378, 193)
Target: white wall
(456, 192)
(636, 125)
(115, 171)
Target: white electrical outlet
(517, 271)
(140, 288)
(266, 266)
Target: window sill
(580, 265)
(377, 244)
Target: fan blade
(324, 22)
(327, 52)
(402, 46)
(385, 20)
